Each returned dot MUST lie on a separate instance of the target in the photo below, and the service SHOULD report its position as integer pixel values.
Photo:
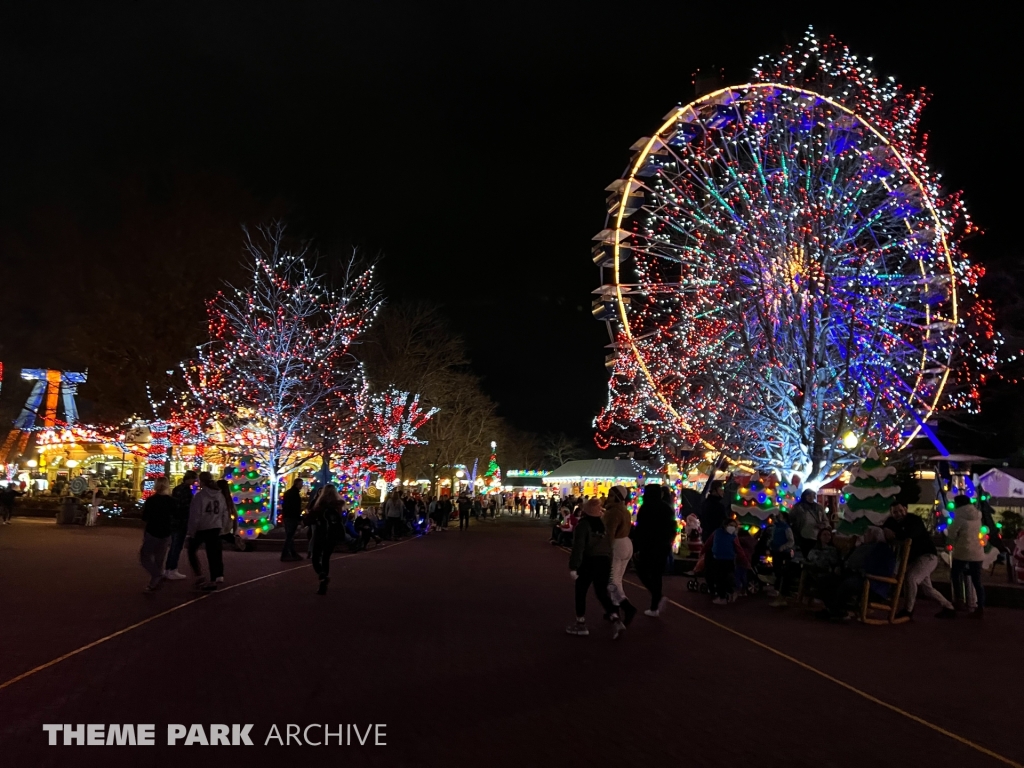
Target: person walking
(229, 503)
(655, 532)
(590, 563)
(7, 498)
(158, 514)
(964, 535)
(291, 514)
(329, 528)
(394, 509)
(923, 558)
(182, 495)
(207, 518)
(465, 508)
(618, 524)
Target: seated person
(871, 556)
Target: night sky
(467, 144)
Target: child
(721, 551)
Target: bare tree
(560, 448)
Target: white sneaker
(654, 613)
(779, 602)
(174, 575)
(578, 628)
(219, 580)
(720, 601)
(662, 604)
(617, 629)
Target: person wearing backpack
(207, 518)
(591, 563)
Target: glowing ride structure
(785, 273)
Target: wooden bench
(871, 602)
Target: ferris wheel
(780, 270)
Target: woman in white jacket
(964, 534)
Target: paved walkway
(456, 642)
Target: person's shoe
(960, 606)
(946, 613)
(322, 590)
(152, 588)
(978, 613)
(771, 591)
(174, 575)
(210, 587)
(778, 602)
(719, 601)
(578, 628)
(652, 612)
(199, 582)
(905, 614)
(662, 604)
(219, 580)
(732, 597)
(617, 628)
(628, 613)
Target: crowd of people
(798, 545)
(804, 542)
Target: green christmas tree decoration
(250, 491)
(866, 500)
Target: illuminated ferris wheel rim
(746, 88)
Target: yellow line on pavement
(193, 601)
(847, 686)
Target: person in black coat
(291, 513)
(712, 511)
(653, 536)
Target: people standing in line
(964, 535)
(158, 514)
(207, 518)
(923, 558)
(590, 563)
(182, 495)
(7, 499)
(291, 514)
(394, 510)
(655, 532)
(618, 524)
(329, 530)
(712, 511)
(465, 507)
(808, 519)
(446, 511)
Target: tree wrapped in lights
(278, 360)
(785, 271)
(393, 420)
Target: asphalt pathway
(456, 642)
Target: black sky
(468, 143)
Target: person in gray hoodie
(964, 535)
(207, 518)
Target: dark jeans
(463, 520)
(323, 547)
(780, 564)
(956, 576)
(650, 568)
(392, 528)
(211, 538)
(291, 524)
(5, 512)
(445, 516)
(596, 571)
(174, 553)
(151, 555)
(721, 576)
